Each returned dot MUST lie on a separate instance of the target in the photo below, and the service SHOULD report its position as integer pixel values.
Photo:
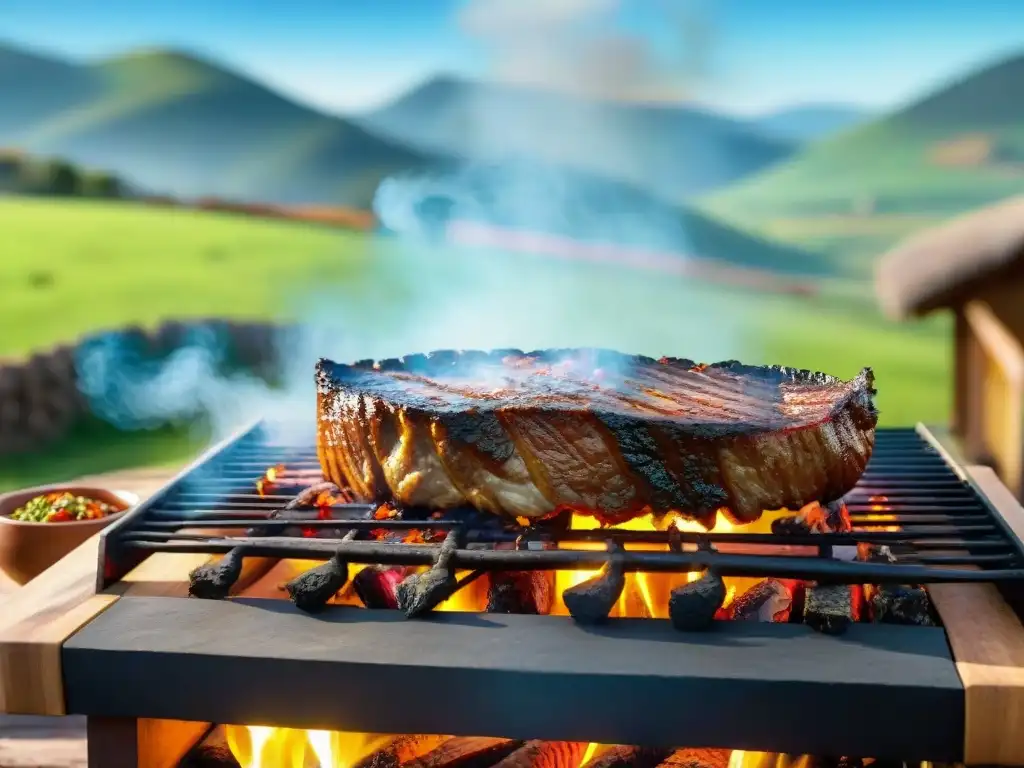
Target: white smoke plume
(417, 294)
(575, 45)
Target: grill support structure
(118, 654)
(948, 531)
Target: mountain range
(185, 125)
(176, 123)
(673, 151)
(958, 147)
(809, 122)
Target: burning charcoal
(693, 606)
(523, 592)
(308, 496)
(831, 608)
(376, 585)
(837, 517)
(768, 600)
(213, 581)
(591, 601)
(209, 757)
(402, 749)
(697, 758)
(628, 757)
(901, 604)
(814, 518)
(420, 593)
(469, 753)
(312, 590)
(790, 526)
(546, 754)
(211, 752)
(875, 553)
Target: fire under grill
(913, 513)
(818, 634)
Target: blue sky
(352, 54)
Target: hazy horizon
(738, 57)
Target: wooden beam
(987, 640)
(35, 620)
(1000, 395)
(38, 618)
(1001, 345)
(115, 742)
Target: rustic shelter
(974, 266)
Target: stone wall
(40, 400)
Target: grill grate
(947, 530)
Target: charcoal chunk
(692, 607)
(213, 581)
(312, 590)
(420, 593)
(901, 604)
(830, 608)
(591, 601)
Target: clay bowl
(28, 549)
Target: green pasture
(70, 267)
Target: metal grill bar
(945, 530)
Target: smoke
(418, 292)
(579, 46)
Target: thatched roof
(935, 268)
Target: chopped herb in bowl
(62, 507)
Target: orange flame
(257, 746)
(266, 483)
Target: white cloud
(490, 18)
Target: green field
(69, 267)
(107, 265)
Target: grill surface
(947, 531)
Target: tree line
(23, 175)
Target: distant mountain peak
(17, 59)
(167, 62)
(982, 93)
(810, 121)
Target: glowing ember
(266, 747)
(650, 591)
(590, 753)
(879, 506)
(270, 478)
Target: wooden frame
(58, 621)
(989, 397)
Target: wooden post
(997, 359)
(122, 742)
(961, 374)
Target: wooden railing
(991, 376)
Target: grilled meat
(604, 433)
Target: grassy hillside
(858, 192)
(176, 123)
(674, 152)
(111, 264)
(71, 266)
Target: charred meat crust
(742, 460)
